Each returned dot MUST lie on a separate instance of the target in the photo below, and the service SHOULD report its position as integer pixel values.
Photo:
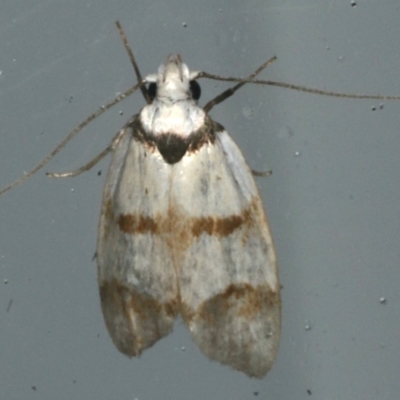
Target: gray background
(332, 201)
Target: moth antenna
(299, 88)
(128, 49)
(323, 92)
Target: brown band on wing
(130, 223)
(213, 226)
(219, 226)
(244, 299)
(184, 227)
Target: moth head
(173, 81)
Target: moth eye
(152, 90)
(195, 90)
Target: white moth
(183, 231)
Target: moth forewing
(137, 280)
(228, 274)
(183, 230)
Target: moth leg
(92, 162)
(229, 92)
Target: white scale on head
(173, 109)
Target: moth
(183, 231)
(182, 228)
